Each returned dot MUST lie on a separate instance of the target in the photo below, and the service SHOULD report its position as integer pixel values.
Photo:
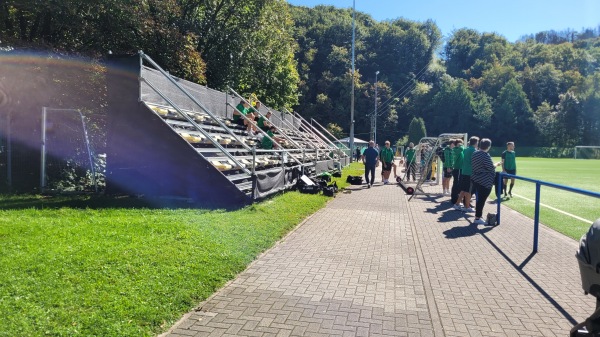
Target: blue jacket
(370, 156)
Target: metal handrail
(329, 133)
(193, 99)
(538, 184)
(198, 127)
(266, 135)
(260, 114)
(298, 132)
(336, 150)
(314, 131)
(280, 119)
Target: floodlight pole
(375, 114)
(351, 140)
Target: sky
(510, 18)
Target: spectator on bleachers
(254, 109)
(266, 143)
(264, 123)
(243, 109)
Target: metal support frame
(9, 152)
(318, 135)
(193, 99)
(438, 141)
(253, 123)
(330, 134)
(299, 132)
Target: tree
(513, 118)
(336, 130)
(546, 125)
(416, 130)
(569, 117)
(452, 108)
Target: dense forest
(543, 90)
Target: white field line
(556, 209)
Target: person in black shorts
(509, 165)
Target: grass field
(98, 266)
(583, 174)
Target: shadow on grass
(17, 202)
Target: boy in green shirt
(267, 143)
(387, 158)
(509, 165)
(448, 165)
(263, 122)
(465, 178)
(457, 160)
(409, 160)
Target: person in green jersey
(263, 122)
(267, 143)
(466, 188)
(448, 165)
(386, 156)
(457, 158)
(243, 109)
(409, 161)
(509, 165)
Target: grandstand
(172, 138)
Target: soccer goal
(67, 163)
(428, 165)
(587, 152)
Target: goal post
(586, 152)
(65, 150)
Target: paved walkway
(373, 264)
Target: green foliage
(512, 113)
(336, 130)
(301, 57)
(398, 49)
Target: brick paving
(373, 264)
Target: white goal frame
(583, 147)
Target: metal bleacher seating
(202, 118)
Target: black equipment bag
(354, 180)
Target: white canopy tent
(357, 142)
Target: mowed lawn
(97, 266)
(583, 174)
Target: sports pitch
(583, 174)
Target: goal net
(67, 163)
(587, 152)
(427, 165)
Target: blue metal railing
(538, 184)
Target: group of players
(471, 170)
